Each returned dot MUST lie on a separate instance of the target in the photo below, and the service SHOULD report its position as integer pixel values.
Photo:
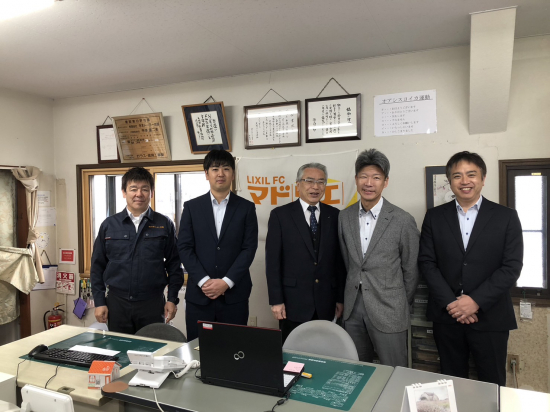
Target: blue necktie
(313, 219)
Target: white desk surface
(521, 400)
(38, 373)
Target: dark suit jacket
(486, 271)
(295, 276)
(203, 254)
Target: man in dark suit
(471, 254)
(217, 242)
(304, 268)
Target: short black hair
(138, 174)
(217, 158)
(372, 157)
(467, 157)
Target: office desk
(37, 373)
(471, 396)
(188, 394)
(520, 400)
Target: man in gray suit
(379, 244)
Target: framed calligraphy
(107, 149)
(142, 138)
(438, 187)
(206, 127)
(270, 125)
(331, 119)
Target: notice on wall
(107, 144)
(43, 197)
(405, 113)
(47, 216)
(65, 283)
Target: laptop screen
(241, 354)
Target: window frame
(540, 296)
(83, 174)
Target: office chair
(322, 337)
(99, 326)
(162, 331)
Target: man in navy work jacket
(217, 242)
(471, 254)
(134, 258)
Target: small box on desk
(102, 372)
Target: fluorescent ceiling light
(14, 8)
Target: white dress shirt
(307, 213)
(219, 213)
(367, 223)
(136, 220)
(467, 220)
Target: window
(524, 186)
(100, 196)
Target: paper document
(91, 349)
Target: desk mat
(98, 340)
(334, 384)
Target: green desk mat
(98, 340)
(334, 384)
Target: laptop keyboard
(287, 379)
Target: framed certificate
(272, 125)
(438, 187)
(206, 127)
(331, 119)
(107, 149)
(142, 138)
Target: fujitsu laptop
(243, 357)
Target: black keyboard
(72, 357)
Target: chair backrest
(322, 337)
(162, 331)
(98, 325)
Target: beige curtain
(16, 271)
(29, 178)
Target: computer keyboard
(72, 357)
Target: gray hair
(372, 157)
(311, 165)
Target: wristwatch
(174, 301)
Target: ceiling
(84, 47)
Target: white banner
(271, 182)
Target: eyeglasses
(311, 182)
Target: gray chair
(162, 331)
(322, 337)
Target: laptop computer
(243, 357)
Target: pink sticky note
(294, 367)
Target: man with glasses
(379, 243)
(304, 267)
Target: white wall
(27, 140)
(446, 70)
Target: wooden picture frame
(438, 187)
(142, 138)
(331, 119)
(272, 125)
(107, 146)
(206, 127)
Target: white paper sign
(207, 128)
(43, 197)
(46, 217)
(49, 278)
(405, 113)
(107, 144)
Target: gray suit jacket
(388, 271)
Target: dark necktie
(313, 219)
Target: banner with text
(271, 182)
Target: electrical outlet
(252, 321)
(515, 359)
